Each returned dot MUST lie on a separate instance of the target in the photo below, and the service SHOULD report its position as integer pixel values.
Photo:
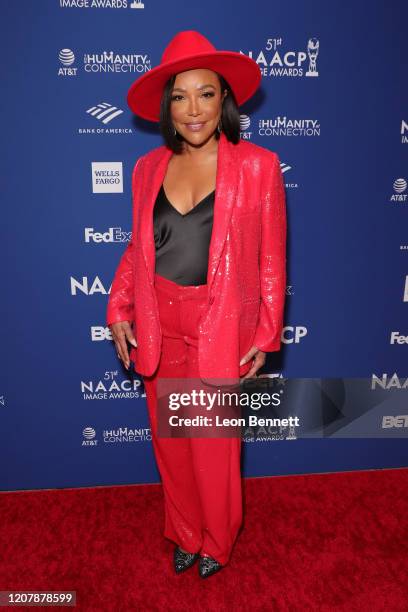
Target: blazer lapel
(154, 176)
(225, 195)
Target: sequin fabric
(208, 566)
(201, 476)
(182, 561)
(246, 266)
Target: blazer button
(212, 299)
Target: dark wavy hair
(230, 118)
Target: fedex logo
(113, 234)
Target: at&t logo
(66, 58)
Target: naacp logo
(112, 386)
(88, 286)
(388, 382)
(275, 61)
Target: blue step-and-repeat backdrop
(332, 104)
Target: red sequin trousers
(201, 477)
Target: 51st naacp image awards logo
(276, 61)
(111, 386)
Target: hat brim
(241, 72)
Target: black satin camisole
(182, 241)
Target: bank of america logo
(104, 112)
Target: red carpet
(314, 542)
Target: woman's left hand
(259, 360)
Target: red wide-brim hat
(188, 50)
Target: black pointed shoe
(182, 560)
(208, 566)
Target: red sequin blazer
(246, 265)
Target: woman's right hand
(121, 332)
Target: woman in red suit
(199, 291)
